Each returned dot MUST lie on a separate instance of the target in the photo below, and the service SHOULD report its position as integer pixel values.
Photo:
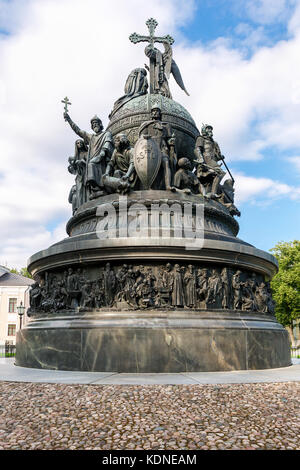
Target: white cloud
(250, 38)
(295, 161)
(268, 11)
(251, 189)
(253, 102)
(58, 47)
(80, 48)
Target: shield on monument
(147, 160)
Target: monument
(152, 276)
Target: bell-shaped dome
(133, 113)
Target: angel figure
(162, 65)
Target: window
(11, 331)
(12, 305)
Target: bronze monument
(152, 276)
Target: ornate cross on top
(151, 39)
(151, 24)
(66, 102)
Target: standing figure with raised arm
(100, 148)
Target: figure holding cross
(161, 64)
(100, 147)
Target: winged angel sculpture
(162, 64)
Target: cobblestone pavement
(239, 416)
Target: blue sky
(231, 19)
(239, 61)
(263, 223)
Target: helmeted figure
(208, 154)
(161, 133)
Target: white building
(14, 289)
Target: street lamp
(21, 311)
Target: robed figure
(120, 168)
(162, 65)
(178, 298)
(136, 85)
(190, 287)
(214, 289)
(109, 282)
(77, 166)
(185, 180)
(35, 296)
(100, 148)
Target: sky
(239, 60)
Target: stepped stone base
(154, 342)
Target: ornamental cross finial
(157, 77)
(66, 103)
(151, 24)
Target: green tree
(286, 284)
(22, 272)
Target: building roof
(3, 270)
(11, 279)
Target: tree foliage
(286, 283)
(22, 272)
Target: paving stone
(231, 416)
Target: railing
(8, 350)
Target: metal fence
(7, 350)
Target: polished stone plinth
(154, 341)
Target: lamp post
(21, 311)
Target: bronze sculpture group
(144, 287)
(105, 165)
(152, 277)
